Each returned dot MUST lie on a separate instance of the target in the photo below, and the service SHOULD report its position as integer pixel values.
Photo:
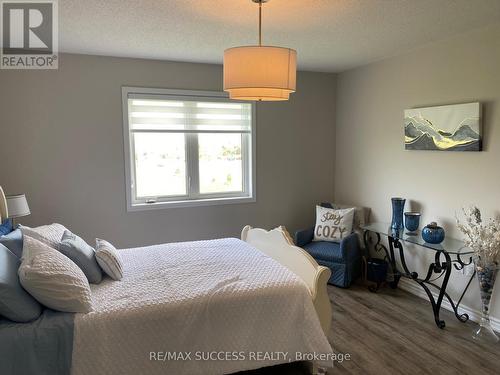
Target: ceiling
(329, 35)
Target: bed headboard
(278, 244)
(4, 212)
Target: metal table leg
(397, 275)
(440, 268)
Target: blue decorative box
(433, 233)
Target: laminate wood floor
(393, 332)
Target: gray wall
(61, 143)
(371, 163)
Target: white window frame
(192, 184)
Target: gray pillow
(82, 254)
(14, 242)
(15, 303)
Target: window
(187, 148)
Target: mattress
(204, 307)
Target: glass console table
(449, 252)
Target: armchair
(343, 259)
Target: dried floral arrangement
(482, 238)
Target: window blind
(173, 115)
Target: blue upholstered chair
(343, 259)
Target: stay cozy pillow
(109, 259)
(333, 225)
(53, 279)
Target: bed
(203, 307)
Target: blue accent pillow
(6, 227)
(14, 242)
(82, 254)
(15, 303)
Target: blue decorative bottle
(398, 206)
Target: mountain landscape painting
(445, 128)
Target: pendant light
(263, 73)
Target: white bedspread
(198, 298)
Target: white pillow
(333, 225)
(48, 234)
(108, 258)
(53, 279)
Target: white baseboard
(475, 315)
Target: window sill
(189, 203)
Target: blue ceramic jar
(433, 233)
(412, 221)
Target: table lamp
(17, 206)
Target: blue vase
(433, 233)
(412, 221)
(398, 206)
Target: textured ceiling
(329, 35)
